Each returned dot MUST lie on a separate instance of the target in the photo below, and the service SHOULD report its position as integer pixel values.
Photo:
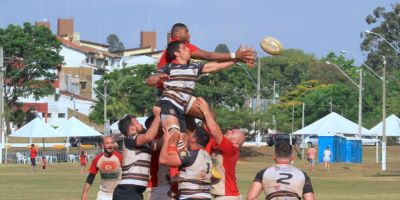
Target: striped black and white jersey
(135, 163)
(284, 181)
(178, 89)
(195, 174)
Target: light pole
(359, 96)
(383, 89)
(1, 103)
(384, 100)
(104, 97)
(390, 44)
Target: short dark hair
(202, 137)
(124, 123)
(283, 149)
(176, 27)
(172, 48)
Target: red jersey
(225, 158)
(164, 58)
(110, 170)
(82, 159)
(44, 161)
(33, 152)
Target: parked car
(312, 139)
(369, 140)
(274, 138)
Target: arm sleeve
(164, 69)
(198, 66)
(259, 176)
(130, 142)
(119, 156)
(307, 185)
(227, 148)
(93, 166)
(188, 158)
(90, 178)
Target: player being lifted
(179, 79)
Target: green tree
(386, 23)
(115, 44)
(31, 59)
(127, 93)
(222, 48)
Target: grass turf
(344, 181)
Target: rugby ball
(271, 46)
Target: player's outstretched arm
(216, 66)
(153, 130)
(241, 54)
(212, 125)
(254, 191)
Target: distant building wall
(77, 80)
(148, 38)
(65, 27)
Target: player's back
(282, 181)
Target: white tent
(392, 127)
(75, 128)
(36, 128)
(114, 126)
(331, 124)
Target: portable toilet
(334, 142)
(353, 150)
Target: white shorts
(158, 193)
(104, 195)
(326, 159)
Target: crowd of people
(176, 158)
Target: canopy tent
(36, 128)
(114, 126)
(75, 128)
(392, 127)
(331, 124)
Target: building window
(48, 115)
(61, 115)
(106, 62)
(91, 60)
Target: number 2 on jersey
(287, 177)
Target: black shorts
(33, 161)
(128, 192)
(167, 108)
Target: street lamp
(359, 96)
(384, 139)
(390, 44)
(383, 95)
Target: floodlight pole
(384, 115)
(302, 126)
(359, 96)
(384, 85)
(1, 103)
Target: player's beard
(108, 151)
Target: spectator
(33, 152)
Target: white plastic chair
(71, 158)
(21, 158)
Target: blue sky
(315, 26)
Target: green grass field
(344, 181)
